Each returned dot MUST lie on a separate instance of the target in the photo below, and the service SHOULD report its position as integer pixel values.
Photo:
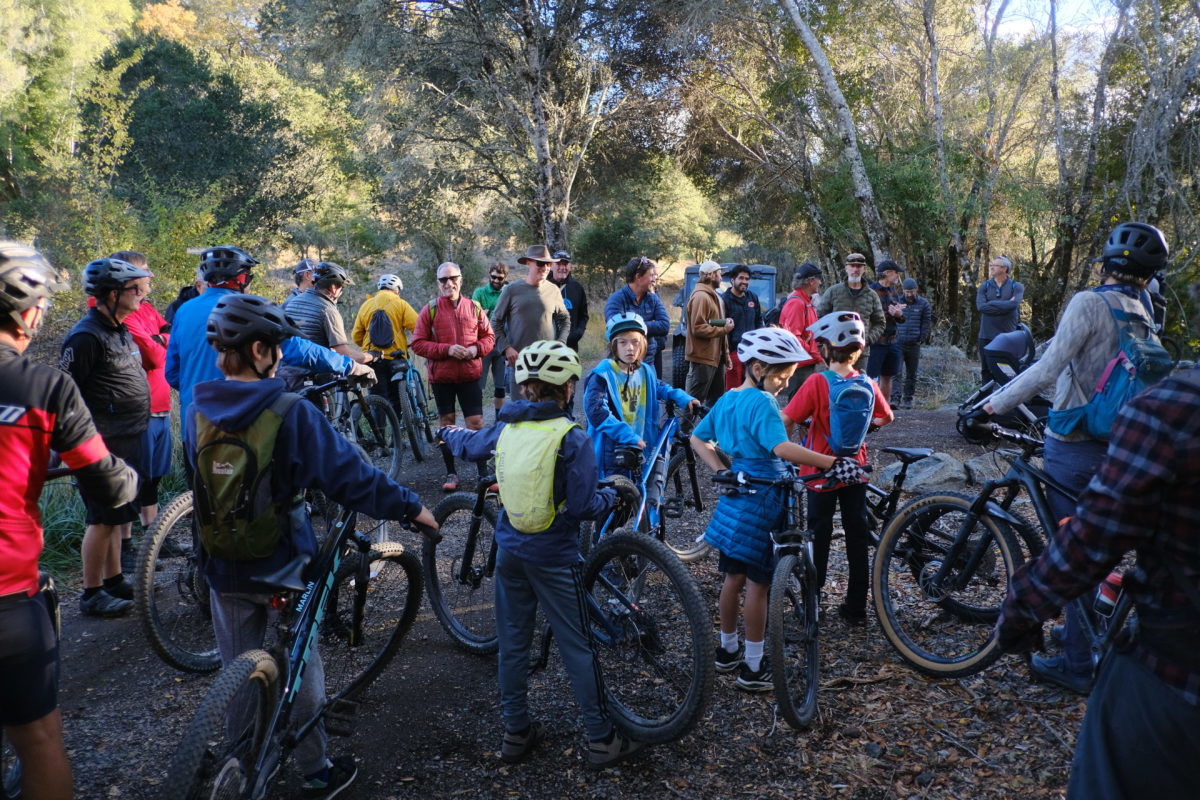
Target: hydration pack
(236, 515)
(1139, 362)
(380, 330)
(851, 405)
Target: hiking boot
(853, 616)
(603, 754)
(516, 747)
(103, 604)
(1053, 669)
(755, 680)
(122, 590)
(727, 661)
(451, 483)
(342, 772)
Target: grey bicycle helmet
(390, 281)
(26, 279)
(224, 263)
(1136, 248)
(625, 321)
(840, 329)
(238, 319)
(771, 346)
(327, 273)
(106, 274)
(303, 265)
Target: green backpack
(236, 516)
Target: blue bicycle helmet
(625, 321)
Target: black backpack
(380, 330)
(772, 316)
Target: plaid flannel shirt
(1144, 497)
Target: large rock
(938, 472)
(984, 468)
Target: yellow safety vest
(526, 455)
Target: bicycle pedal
(340, 717)
(673, 508)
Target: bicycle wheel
(10, 772)
(459, 572)
(408, 421)
(172, 595)
(792, 635)
(686, 509)
(392, 601)
(652, 634)
(225, 737)
(943, 629)
(379, 435)
(421, 403)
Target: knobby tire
(792, 636)
(465, 609)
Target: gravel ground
(431, 726)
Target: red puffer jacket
(465, 324)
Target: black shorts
(731, 566)
(468, 395)
(28, 660)
(132, 450)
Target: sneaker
(757, 680)
(517, 746)
(1058, 634)
(451, 483)
(103, 604)
(122, 590)
(1053, 669)
(342, 772)
(602, 754)
(853, 616)
(727, 661)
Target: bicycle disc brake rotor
(229, 782)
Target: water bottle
(1108, 594)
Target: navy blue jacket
(917, 323)
(651, 309)
(574, 482)
(308, 453)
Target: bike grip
(432, 534)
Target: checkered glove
(847, 470)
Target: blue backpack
(1139, 362)
(851, 404)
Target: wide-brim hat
(539, 253)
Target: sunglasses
(449, 278)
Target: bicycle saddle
(909, 454)
(290, 576)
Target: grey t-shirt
(525, 314)
(318, 319)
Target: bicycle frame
(467, 575)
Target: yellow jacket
(402, 315)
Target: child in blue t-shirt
(747, 425)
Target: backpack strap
(283, 404)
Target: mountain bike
(647, 617)
(366, 420)
(673, 509)
(945, 561)
(414, 405)
(360, 603)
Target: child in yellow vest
(546, 471)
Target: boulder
(939, 472)
(984, 468)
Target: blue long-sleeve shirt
(191, 360)
(574, 482)
(651, 309)
(308, 453)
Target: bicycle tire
(408, 421)
(172, 596)
(421, 404)
(656, 653)
(792, 634)
(393, 600)
(383, 441)
(940, 632)
(684, 533)
(464, 608)
(10, 771)
(226, 733)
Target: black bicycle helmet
(1135, 248)
(26, 279)
(239, 319)
(327, 273)
(106, 274)
(224, 263)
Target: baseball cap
(709, 267)
(856, 258)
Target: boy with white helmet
(746, 424)
(842, 404)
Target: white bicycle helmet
(771, 346)
(390, 281)
(840, 328)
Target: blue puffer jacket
(917, 322)
(741, 523)
(602, 407)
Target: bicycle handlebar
(432, 534)
(742, 479)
